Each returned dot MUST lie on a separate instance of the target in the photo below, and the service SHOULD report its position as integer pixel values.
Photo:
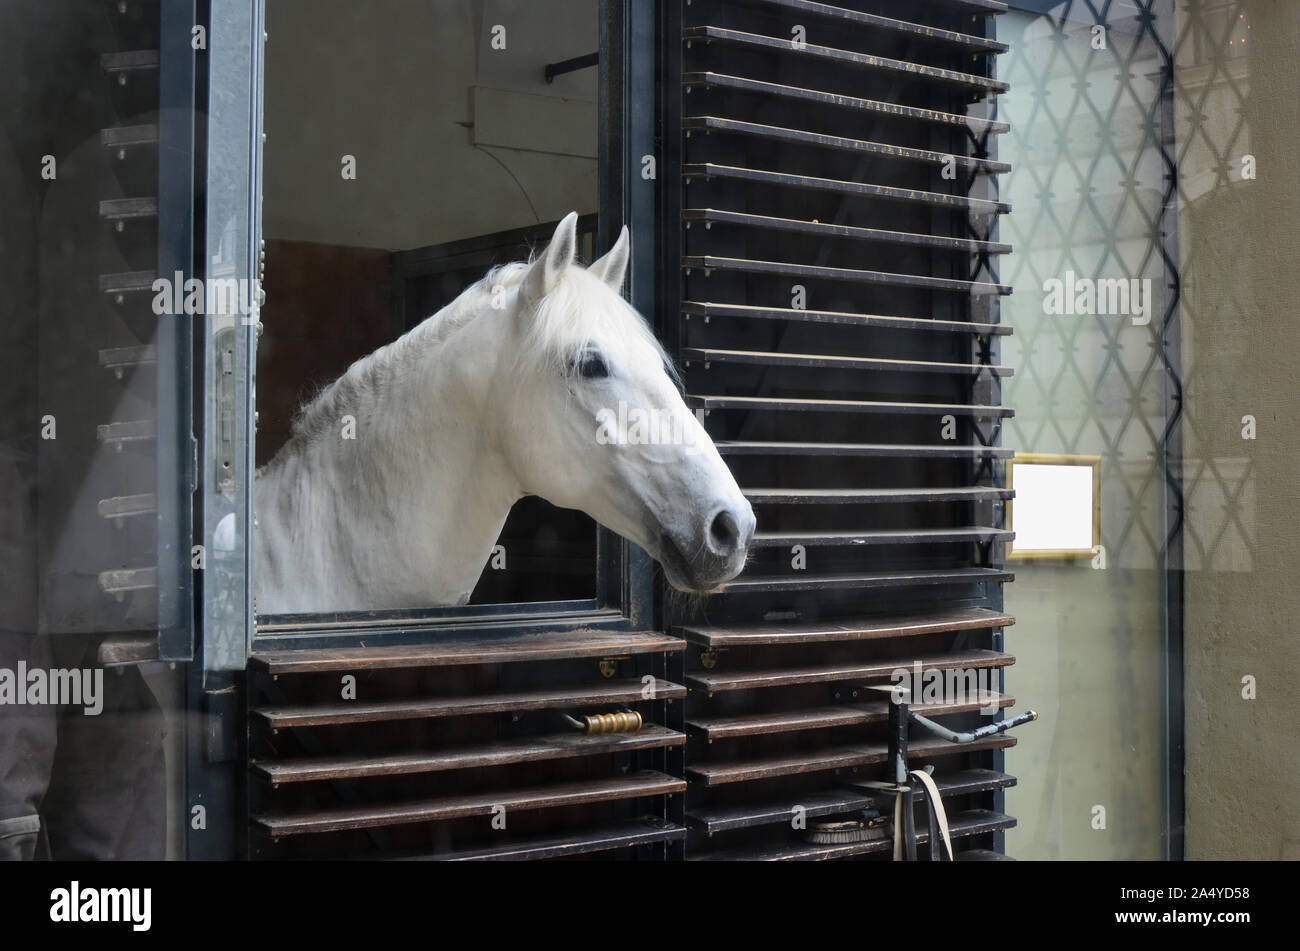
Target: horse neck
(424, 487)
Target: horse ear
(613, 266)
(559, 254)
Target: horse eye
(592, 366)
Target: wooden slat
(129, 136)
(852, 189)
(844, 798)
(710, 263)
(129, 61)
(835, 757)
(119, 358)
(120, 209)
(914, 31)
(846, 629)
(821, 229)
(841, 57)
(825, 718)
(127, 282)
(718, 680)
(778, 91)
(982, 6)
(709, 355)
(123, 433)
(711, 309)
(529, 749)
(870, 537)
(714, 819)
(128, 506)
(124, 580)
(633, 786)
(576, 842)
(810, 405)
(868, 712)
(512, 650)
(961, 825)
(966, 782)
(710, 125)
(874, 496)
(128, 647)
(714, 729)
(921, 577)
(580, 697)
(732, 447)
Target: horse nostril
(724, 533)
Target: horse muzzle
(711, 555)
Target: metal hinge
(227, 410)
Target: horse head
(597, 421)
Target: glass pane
(1087, 153)
(1150, 289)
(95, 444)
(91, 458)
(406, 155)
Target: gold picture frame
(1056, 459)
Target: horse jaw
(666, 490)
(696, 521)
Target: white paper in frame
(1056, 512)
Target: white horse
(397, 479)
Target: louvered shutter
(834, 209)
(462, 749)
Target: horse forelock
(581, 311)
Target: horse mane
(568, 318)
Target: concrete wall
(1241, 251)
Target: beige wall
(1241, 254)
(393, 83)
